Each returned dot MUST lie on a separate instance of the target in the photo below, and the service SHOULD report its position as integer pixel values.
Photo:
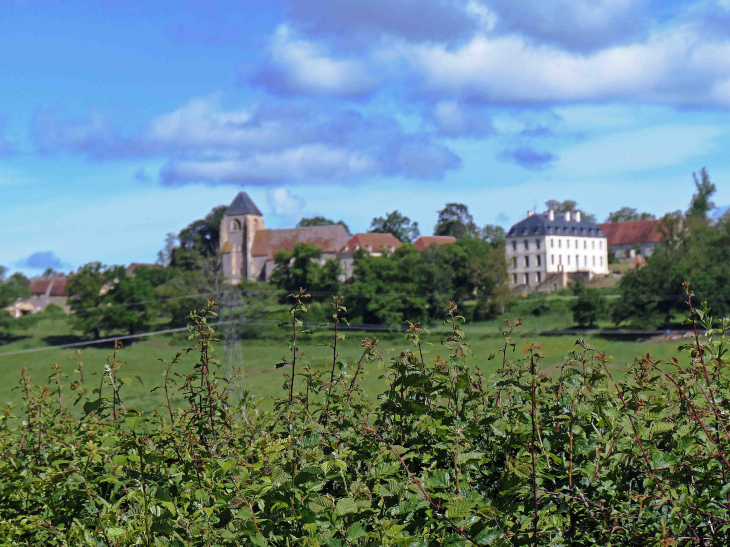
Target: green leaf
(354, 532)
(345, 506)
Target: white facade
(547, 244)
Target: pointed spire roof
(243, 205)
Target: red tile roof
(371, 241)
(328, 238)
(424, 241)
(40, 286)
(632, 232)
(59, 287)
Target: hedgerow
(570, 455)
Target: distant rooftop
(371, 241)
(425, 241)
(242, 205)
(543, 224)
(328, 238)
(632, 232)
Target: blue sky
(121, 121)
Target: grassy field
(260, 356)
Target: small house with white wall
(545, 250)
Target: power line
(363, 327)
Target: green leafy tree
(86, 289)
(107, 299)
(300, 268)
(691, 250)
(199, 242)
(628, 213)
(455, 220)
(321, 221)
(397, 224)
(12, 288)
(701, 203)
(493, 234)
(412, 285)
(589, 306)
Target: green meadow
(261, 377)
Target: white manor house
(545, 250)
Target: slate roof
(242, 205)
(328, 238)
(424, 241)
(540, 224)
(632, 232)
(372, 242)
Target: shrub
(54, 309)
(447, 457)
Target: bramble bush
(447, 456)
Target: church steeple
(241, 220)
(242, 205)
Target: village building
(426, 241)
(631, 238)
(372, 243)
(44, 292)
(248, 248)
(545, 250)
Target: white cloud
(674, 67)
(303, 163)
(283, 202)
(301, 67)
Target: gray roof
(243, 205)
(540, 224)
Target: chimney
(567, 215)
(551, 215)
(530, 213)
(577, 216)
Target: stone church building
(248, 248)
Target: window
(585, 260)
(567, 244)
(568, 260)
(514, 279)
(560, 243)
(552, 259)
(601, 261)
(527, 262)
(236, 225)
(552, 242)
(577, 261)
(600, 244)
(576, 243)
(560, 259)
(514, 262)
(585, 244)
(537, 244)
(527, 244)
(539, 260)
(538, 277)
(594, 260)
(593, 244)
(514, 245)
(527, 279)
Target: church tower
(240, 223)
